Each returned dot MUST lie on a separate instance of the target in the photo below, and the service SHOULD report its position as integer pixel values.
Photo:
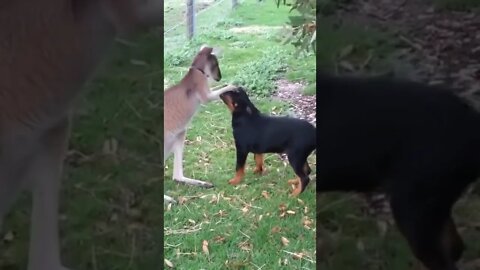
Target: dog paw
(234, 181)
(294, 181)
(296, 191)
(260, 171)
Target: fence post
(234, 3)
(190, 19)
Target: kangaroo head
(206, 61)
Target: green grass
(243, 225)
(111, 206)
(237, 222)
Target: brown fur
(181, 102)
(49, 48)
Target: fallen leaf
(205, 247)
(221, 213)
(9, 236)
(285, 241)
(290, 212)
(265, 194)
(276, 229)
(168, 263)
(360, 245)
(307, 222)
(246, 246)
(346, 51)
(219, 239)
(182, 200)
(297, 256)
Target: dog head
(237, 101)
(206, 61)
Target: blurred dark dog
(418, 143)
(257, 133)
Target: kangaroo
(181, 102)
(48, 49)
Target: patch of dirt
(303, 106)
(443, 46)
(255, 29)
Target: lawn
(256, 225)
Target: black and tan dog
(257, 133)
(420, 144)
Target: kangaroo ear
(217, 51)
(205, 49)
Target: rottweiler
(258, 133)
(419, 143)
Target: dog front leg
(44, 175)
(178, 165)
(240, 168)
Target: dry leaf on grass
(9, 236)
(245, 246)
(276, 229)
(360, 245)
(284, 240)
(182, 200)
(205, 247)
(307, 222)
(265, 194)
(297, 256)
(219, 239)
(168, 263)
(221, 213)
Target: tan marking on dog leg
(238, 177)
(259, 167)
